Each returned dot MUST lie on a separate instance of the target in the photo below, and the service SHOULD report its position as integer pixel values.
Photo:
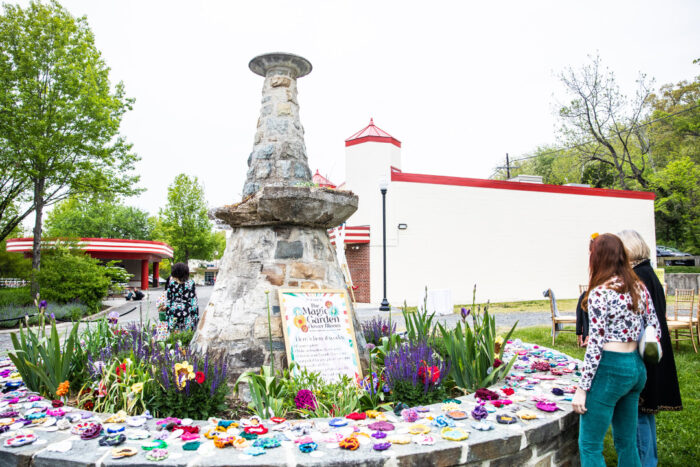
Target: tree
(13, 193)
(603, 125)
(675, 131)
(76, 217)
(184, 223)
(59, 117)
(677, 204)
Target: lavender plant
(376, 328)
(414, 373)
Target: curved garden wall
(539, 378)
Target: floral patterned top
(182, 308)
(611, 319)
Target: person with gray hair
(661, 391)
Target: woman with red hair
(619, 308)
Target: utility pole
(507, 166)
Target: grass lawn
(565, 306)
(677, 432)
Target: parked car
(667, 251)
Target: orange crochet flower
(63, 388)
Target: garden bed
(549, 439)
(430, 396)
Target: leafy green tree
(677, 204)
(87, 218)
(59, 116)
(184, 223)
(675, 131)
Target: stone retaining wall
(549, 441)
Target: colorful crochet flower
(63, 389)
(183, 372)
(305, 399)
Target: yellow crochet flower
(183, 372)
(137, 388)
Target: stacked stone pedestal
(279, 238)
(259, 260)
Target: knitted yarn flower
(540, 365)
(486, 394)
(305, 399)
(183, 372)
(479, 412)
(63, 389)
(409, 415)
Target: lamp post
(383, 185)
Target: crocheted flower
(305, 400)
(137, 388)
(429, 374)
(183, 372)
(199, 377)
(63, 389)
(409, 415)
(486, 394)
(479, 412)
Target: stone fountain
(279, 237)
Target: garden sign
(318, 332)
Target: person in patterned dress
(182, 308)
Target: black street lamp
(383, 185)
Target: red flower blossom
(508, 391)
(431, 374)
(89, 405)
(497, 362)
(199, 377)
(120, 369)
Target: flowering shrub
(188, 384)
(414, 373)
(183, 383)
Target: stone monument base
(259, 260)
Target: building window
(209, 277)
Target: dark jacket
(581, 319)
(661, 391)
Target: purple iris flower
(42, 305)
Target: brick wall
(358, 263)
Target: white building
(513, 239)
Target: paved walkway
(146, 309)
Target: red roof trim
(374, 139)
(89, 239)
(519, 186)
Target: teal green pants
(613, 398)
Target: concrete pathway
(146, 309)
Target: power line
(594, 141)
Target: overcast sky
(459, 83)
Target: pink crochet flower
(305, 400)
